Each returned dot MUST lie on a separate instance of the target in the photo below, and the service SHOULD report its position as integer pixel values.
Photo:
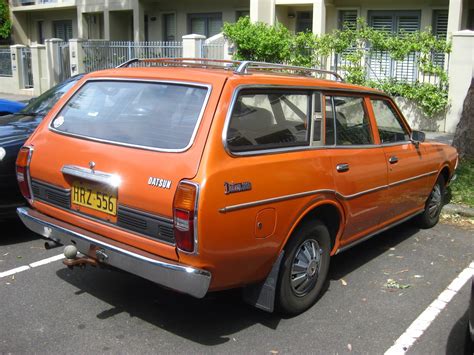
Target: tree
(5, 22)
(464, 136)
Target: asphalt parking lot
(50, 309)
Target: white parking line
(31, 266)
(420, 324)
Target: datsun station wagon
(207, 175)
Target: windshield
(154, 115)
(43, 103)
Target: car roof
(210, 75)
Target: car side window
(351, 121)
(388, 122)
(269, 120)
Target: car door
(358, 164)
(407, 163)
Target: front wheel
(430, 216)
(304, 268)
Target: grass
(462, 189)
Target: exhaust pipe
(51, 244)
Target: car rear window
(154, 115)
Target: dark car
(8, 106)
(14, 130)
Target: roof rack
(240, 67)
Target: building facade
(161, 20)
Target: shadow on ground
(212, 320)
(13, 231)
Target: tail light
(184, 211)
(23, 171)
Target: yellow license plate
(96, 197)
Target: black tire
(430, 216)
(292, 299)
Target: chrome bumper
(167, 273)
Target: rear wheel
(304, 268)
(430, 216)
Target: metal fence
(27, 73)
(64, 70)
(380, 66)
(109, 54)
(5, 62)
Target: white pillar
(17, 66)
(38, 67)
(454, 16)
(52, 61)
(81, 24)
(461, 71)
(107, 25)
(319, 17)
(192, 46)
(138, 22)
(263, 11)
(76, 56)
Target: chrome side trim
(92, 175)
(399, 182)
(182, 83)
(314, 192)
(168, 273)
(273, 199)
(370, 235)
(358, 194)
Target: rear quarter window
(145, 114)
(268, 120)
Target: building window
(347, 19)
(169, 27)
(63, 29)
(440, 23)
(381, 66)
(205, 24)
(395, 21)
(304, 21)
(241, 13)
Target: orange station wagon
(205, 175)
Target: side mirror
(416, 137)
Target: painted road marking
(31, 266)
(420, 324)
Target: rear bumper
(167, 273)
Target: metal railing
(64, 70)
(39, 2)
(213, 47)
(5, 62)
(27, 74)
(109, 54)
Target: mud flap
(262, 295)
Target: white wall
(182, 8)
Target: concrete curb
(457, 209)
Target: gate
(64, 71)
(27, 72)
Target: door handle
(393, 159)
(342, 167)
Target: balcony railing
(16, 3)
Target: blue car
(8, 106)
(14, 130)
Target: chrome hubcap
(305, 267)
(434, 206)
